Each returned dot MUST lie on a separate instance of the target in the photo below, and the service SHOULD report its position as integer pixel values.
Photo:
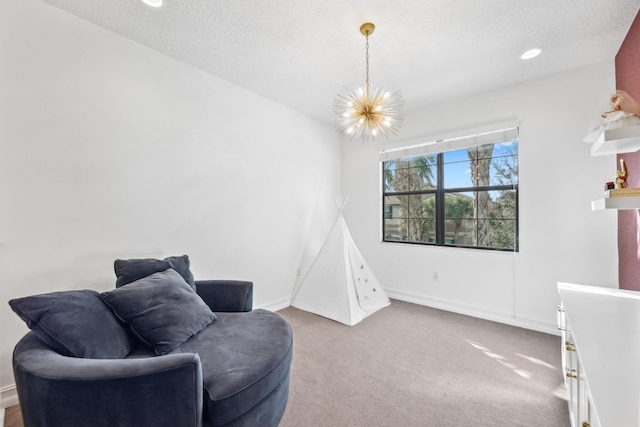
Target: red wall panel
(628, 79)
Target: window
(463, 197)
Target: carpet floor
(409, 365)
(13, 417)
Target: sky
(457, 167)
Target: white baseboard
(276, 305)
(448, 306)
(474, 312)
(8, 396)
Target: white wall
(561, 239)
(111, 150)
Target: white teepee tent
(339, 284)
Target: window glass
(459, 218)
(475, 205)
(412, 174)
(410, 218)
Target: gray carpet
(410, 365)
(13, 417)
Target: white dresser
(601, 354)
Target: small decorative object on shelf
(625, 103)
(622, 192)
(622, 175)
(609, 186)
(623, 111)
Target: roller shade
(493, 134)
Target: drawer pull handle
(572, 374)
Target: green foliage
(503, 210)
(411, 174)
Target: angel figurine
(623, 111)
(625, 103)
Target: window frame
(440, 193)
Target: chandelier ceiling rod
(367, 29)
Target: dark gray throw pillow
(75, 323)
(130, 270)
(162, 310)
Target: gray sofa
(92, 359)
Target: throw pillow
(75, 323)
(130, 270)
(161, 309)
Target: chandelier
(369, 111)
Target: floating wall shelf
(614, 141)
(616, 203)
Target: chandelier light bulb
(368, 111)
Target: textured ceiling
(301, 53)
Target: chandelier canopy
(369, 111)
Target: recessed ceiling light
(153, 3)
(531, 53)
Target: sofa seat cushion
(245, 356)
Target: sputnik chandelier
(369, 111)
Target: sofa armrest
(226, 295)
(56, 390)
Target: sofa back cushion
(162, 309)
(130, 270)
(75, 323)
